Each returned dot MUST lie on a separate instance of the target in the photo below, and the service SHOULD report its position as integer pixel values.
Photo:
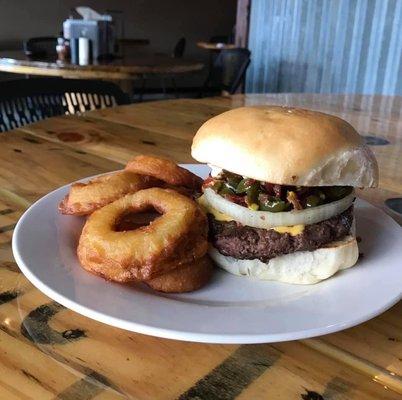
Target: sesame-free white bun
(288, 146)
(301, 267)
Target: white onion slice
(267, 219)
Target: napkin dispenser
(91, 38)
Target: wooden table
(49, 352)
(128, 67)
(215, 46)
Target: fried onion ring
(177, 237)
(165, 170)
(186, 278)
(85, 198)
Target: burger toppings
(245, 242)
(227, 210)
(265, 196)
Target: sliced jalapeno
(272, 204)
(216, 186)
(313, 201)
(252, 193)
(226, 190)
(233, 181)
(337, 192)
(321, 195)
(244, 184)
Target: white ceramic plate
(230, 309)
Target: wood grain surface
(127, 67)
(50, 352)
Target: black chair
(179, 48)
(228, 71)
(40, 47)
(29, 100)
(178, 52)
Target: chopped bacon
(241, 200)
(268, 188)
(208, 182)
(273, 189)
(250, 181)
(278, 190)
(292, 198)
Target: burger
(280, 194)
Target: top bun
(287, 146)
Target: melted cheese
(219, 216)
(292, 230)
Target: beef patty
(245, 242)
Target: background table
(128, 67)
(215, 46)
(48, 351)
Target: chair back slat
(25, 101)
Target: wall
(325, 46)
(163, 22)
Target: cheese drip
(292, 230)
(202, 201)
(219, 216)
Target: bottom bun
(301, 267)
